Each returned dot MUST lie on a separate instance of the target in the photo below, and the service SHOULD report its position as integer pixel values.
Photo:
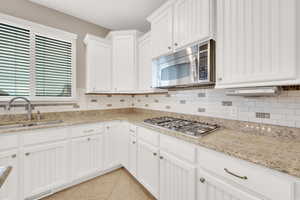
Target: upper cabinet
(98, 64)
(180, 23)
(256, 43)
(124, 60)
(193, 21)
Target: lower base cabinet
(132, 161)
(9, 188)
(177, 178)
(148, 167)
(111, 157)
(87, 156)
(212, 188)
(45, 168)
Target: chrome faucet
(29, 106)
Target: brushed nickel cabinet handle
(202, 180)
(176, 44)
(235, 175)
(220, 79)
(155, 154)
(133, 142)
(88, 139)
(160, 157)
(27, 154)
(132, 131)
(14, 156)
(169, 48)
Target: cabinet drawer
(260, 180)
(8, 142)
(45, 135)
(88, 129)
(178, 148)
(148, 136)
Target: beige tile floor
(117, 185)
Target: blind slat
(53, 67)
(14, 61)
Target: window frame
(46, 31)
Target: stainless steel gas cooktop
(187, 127)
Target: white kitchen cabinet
(256, 43)
(148, 167)
(132, 166)
(98, 64)
(111, 158)
(212, 188)
(124, 60)
(179, 23)
(87, 156)
(177, 178)
(145, 63)
(44, 168)
(123, 144)
(162, 30)
(9, 189)
(193, 21)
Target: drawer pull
(14, 156)
(202, 180)
(161, 157)
(233, 174)
(155, 154)
(89, 131)
(27, 154)
(133, 142)
(132, 131)
(88, 139)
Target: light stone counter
(4, 173)
(279, 150)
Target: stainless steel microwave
(192, 66)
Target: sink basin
(29, 124)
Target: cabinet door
(44, 168)
(98, 59)
(162, 32)
(110, 144)
(10, 189)
(192, 21)
(177, 179)
(148, 167)
(124, 64)
(133, 156)
(212, 188)
(256, 42)
(87, 156)
(123, 143)
(145, 64)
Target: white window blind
(36, 61)
(14, 61)
(53, 68)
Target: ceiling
(111, 14)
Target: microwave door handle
(195, 68)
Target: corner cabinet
(256, 43)
(98, 64)
(124, 60)
(179, 23)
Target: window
(36, 61)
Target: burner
(188, 127)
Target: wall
(33, 12)
(282, 110)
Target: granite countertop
(4, 172)
(282, 154)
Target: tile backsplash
(282, 110)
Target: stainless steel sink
(29, 124)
